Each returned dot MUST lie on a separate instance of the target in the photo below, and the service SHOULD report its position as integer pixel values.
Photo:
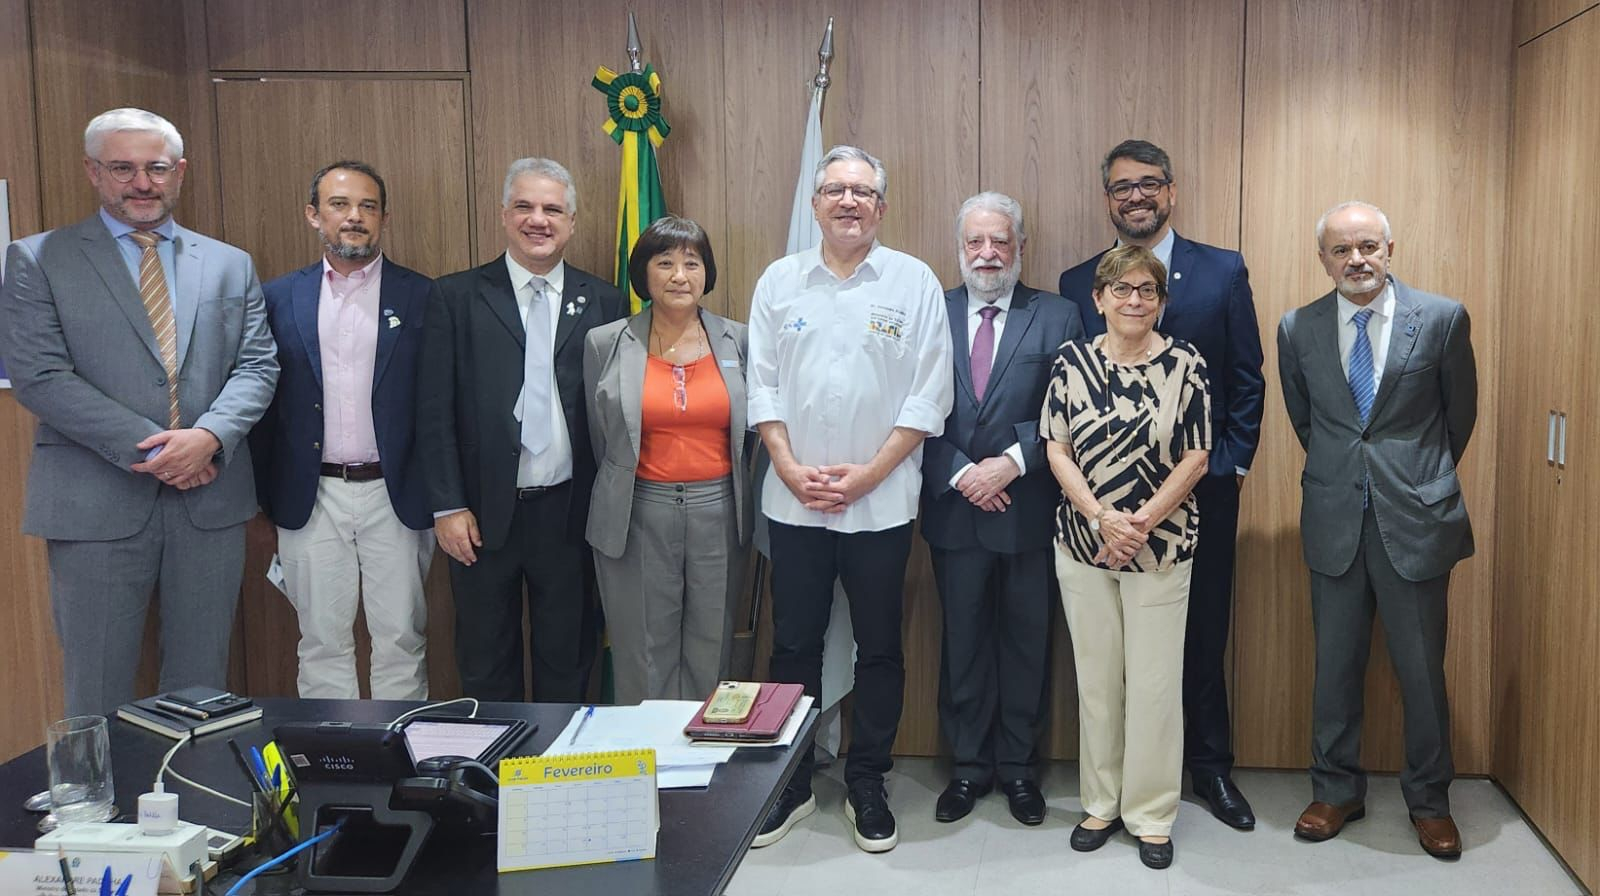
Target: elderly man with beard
(335, 470)
(988, 501)
(1209, 305)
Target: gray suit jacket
(613, 375)
(1422, 417)
(83, 358)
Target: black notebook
(174, 715)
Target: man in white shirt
(502, 426)
(849, 373)
(988, 514)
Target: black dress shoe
(867, 807)
(958, 799)
(1156, 855)
(1226, 802)
(1086, 840)
(1027, 803)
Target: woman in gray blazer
(671, 506)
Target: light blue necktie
(1362, 388)
(537, 363)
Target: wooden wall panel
(361, 36)
(1407, 108)
(413, 132)
(548, 108)
(1535, 17)
(19, 156)
(83, 67)
(1547, 720)
(1058, 92)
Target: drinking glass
(78, 751)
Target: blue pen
(260, 764)
(277, 778)
(105, 884)
(582, 722)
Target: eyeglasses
(1147, 187)
(125, 172)
(1122, 289)
(835, 192)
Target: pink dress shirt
(347, 330)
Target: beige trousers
(354, 549)
(1127, 645)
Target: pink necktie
(983, 351)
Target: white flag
(803, 230)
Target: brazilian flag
(633, 101)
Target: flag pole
(824, 59)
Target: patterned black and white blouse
(1128, 426)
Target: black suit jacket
(1036, 326)
(1209, 306)
(287, 443)
(471, 375)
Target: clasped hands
(829, 488)
(984, 483)
(185, 457)
(1122, 535)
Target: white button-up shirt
(842, 363)
(552, 466)
(1378, 327)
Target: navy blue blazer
(288, 440)
(1036, 327)
(1209, 305)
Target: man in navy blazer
(1210, 307)
(988, 510)
(336, 471)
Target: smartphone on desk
(731, 703)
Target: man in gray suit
(988, 514)
(143, 349)
(1381, 386)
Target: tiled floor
(989, 853)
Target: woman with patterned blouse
(1128, 426)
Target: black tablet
(486, 740)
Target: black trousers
(1207, 730)
(872, 566)
(992, 669)
(554, 565)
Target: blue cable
(256, 871)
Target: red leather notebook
(771, 712)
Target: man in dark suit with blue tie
(1209, 306)
(335, 468)
(988, 505)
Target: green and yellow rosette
(634, 102)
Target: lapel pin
(572, 309)
(1177, 275)
(393, 321)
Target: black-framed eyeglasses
(125, 172)
(1122, 289)
(835, 192)
(1147, 187)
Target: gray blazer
(613, 376)
(83, 358)
(1422, 417)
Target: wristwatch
(1094, 524)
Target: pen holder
(269, 828)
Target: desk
(704, 833)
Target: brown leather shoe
(1438, 836)
(1324, 821)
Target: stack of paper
(658, 724)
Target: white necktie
(537, 364)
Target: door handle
(1561, 444)
(1550, 439)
